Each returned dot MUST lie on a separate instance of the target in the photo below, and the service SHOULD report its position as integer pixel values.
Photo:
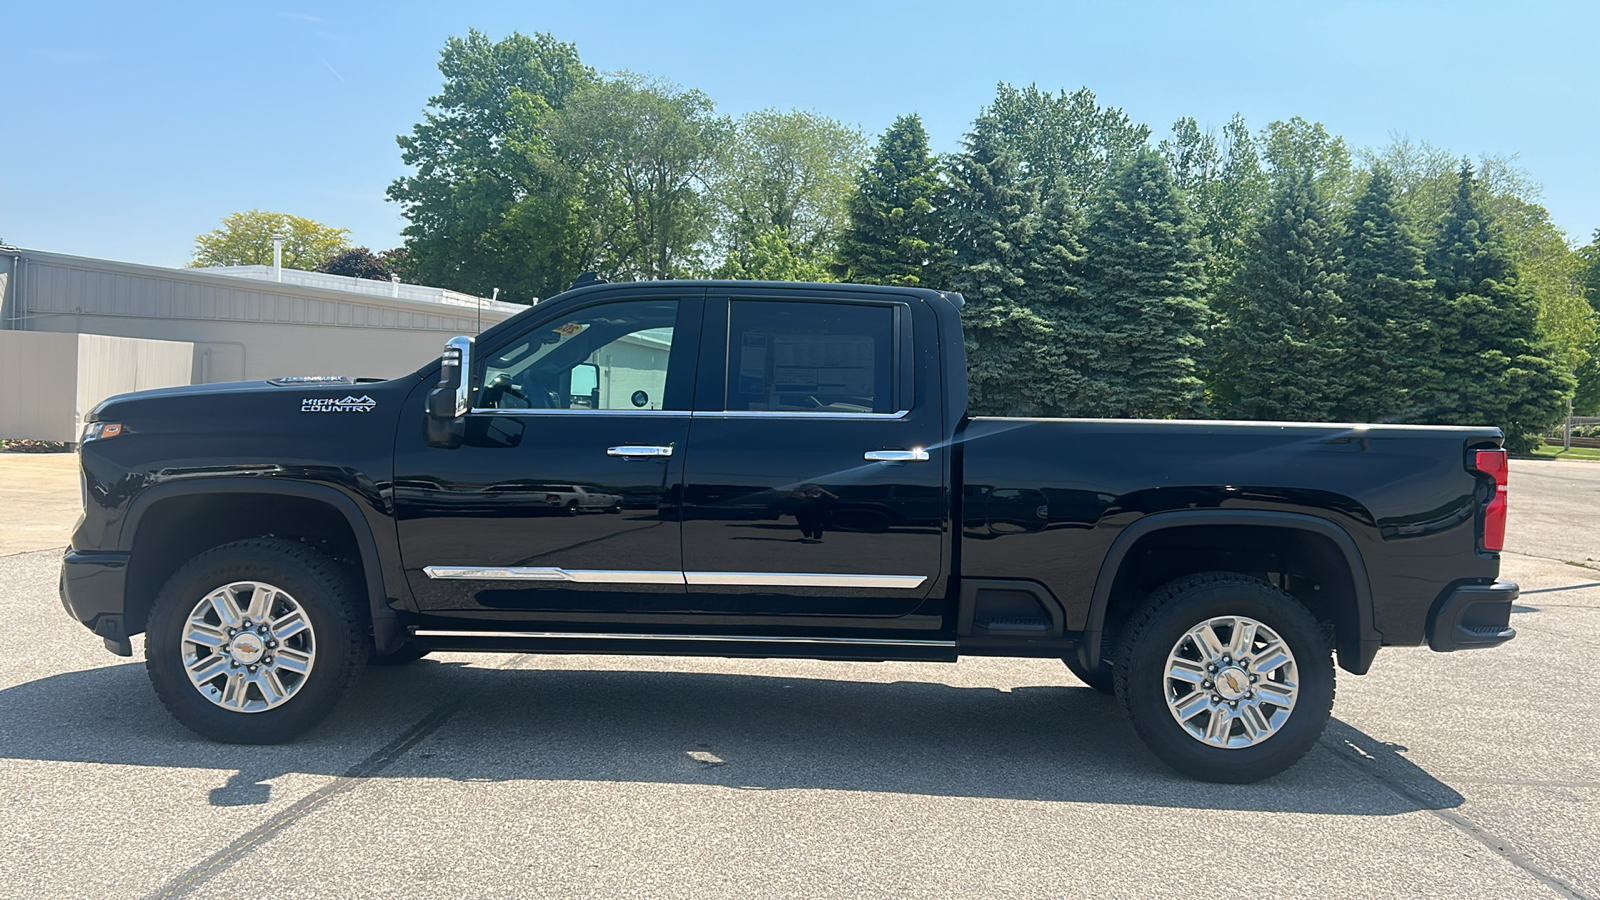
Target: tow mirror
(449, 401)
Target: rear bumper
(1473, 617)
(93, 590)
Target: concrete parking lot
(1470, 774)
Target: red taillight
(1493, 462)
(552, 498)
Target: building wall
(240, 328)
(38, 386)
(51, 381)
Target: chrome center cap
(1232, 683)
(248, 648)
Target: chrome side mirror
(450, 400)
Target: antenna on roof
(587, 279)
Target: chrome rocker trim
(622, 576)
(712, 638)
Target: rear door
(815, 482)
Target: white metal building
(232, 324)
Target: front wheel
(254, 642)
(1225, 677)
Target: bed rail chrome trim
(712, 638)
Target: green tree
(788, 171)
(1225, 185)
(1586, 401)
(892, 235)
(1498, 369)
(773, 256)
(357, 262)
(490, 205)
(1062, 355)
(1145, 298)
(989, 216)
(643, 151)
(1308, 148)
(245, 239)
(1391, 344)
(1279, 352)
(1066, 137)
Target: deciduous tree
(489, 204)
(245, 239)
(643, 151)
(772, 256)
(357, 262)
(789, 172)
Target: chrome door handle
(634, 451)
(900, 456)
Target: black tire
(1142, 684)
(409, 652)
(572, 508)
(1100, 679)
(330, 600)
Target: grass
(1548, 451)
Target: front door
(814, 486)
(564, 498)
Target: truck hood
(317, 387)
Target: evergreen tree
(1497, 369)
(989, 218)
(1144, 307)
(1279, 352)
(1391, 345)
(893, 231)
(1062, 357)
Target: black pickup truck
(770, 470)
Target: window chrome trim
(796, 414)
(490, 411)
(625, 576)
(551, 573)
(715, 638)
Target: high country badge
(361, 404)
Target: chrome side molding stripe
(551, 573)
(804, 579)
(713, 638)
(624, 576)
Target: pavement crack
(196, 876)
(1496, 844)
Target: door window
(810, 357)
(609, 357)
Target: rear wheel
(1225, 677)
(255, 641)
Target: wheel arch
(1357, 638)
(387, 632)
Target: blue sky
(127, 129)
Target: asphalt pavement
(1448, 775)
